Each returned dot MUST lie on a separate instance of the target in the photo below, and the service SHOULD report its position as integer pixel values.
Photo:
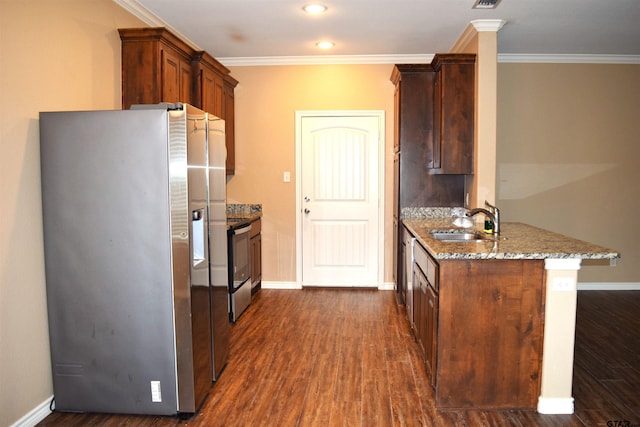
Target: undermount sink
(459, 236)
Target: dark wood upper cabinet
(208, 83)
(453, 114)
(157, 66)
(413, 91)
(435, 112)
(415, 184)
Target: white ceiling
(240, 29)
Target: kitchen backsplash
(430, 212)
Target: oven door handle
(242, 230)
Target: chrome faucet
(492, 212)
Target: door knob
(306, 211)
(306, 199)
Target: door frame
(380, 115)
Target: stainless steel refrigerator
(134, 208)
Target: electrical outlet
(563, 284)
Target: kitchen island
(495, 317)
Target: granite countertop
(516, 241)
(241, 214)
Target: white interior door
(339, 199)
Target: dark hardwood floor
(347, 358)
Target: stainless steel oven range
(239, 249)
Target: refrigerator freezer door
(113, 254)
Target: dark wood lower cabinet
(256, 255)
(425, 311)
(479, 326)
(490, 329)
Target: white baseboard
(293, 285)
(613, 286)
(36, 415)
(388, 286)
(555, 405)
(280, 285)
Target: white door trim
(380, 114)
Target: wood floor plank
(376, 398)
(319, 396)
(338, 357)
(405, 402)
(346, 413)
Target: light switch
(286, 176)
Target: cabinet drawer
(427, 264)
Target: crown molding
(567, 59)
(421, 59)
(474, 28)
(326, 60)
(151, 19)
(488, 24)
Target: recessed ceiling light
(314, 9)
(325, 45)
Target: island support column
(559, 336)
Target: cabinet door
(212, 92)
(437, 121)
(424, 320)
(256, 259)
(453, 141)
(176, 78)
(419, 307)
(431, 333)
(185, 82)
(229, 122)
(256, 252)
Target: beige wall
(266, 101)
(54, 55)
(62, 55)
(567, 156)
